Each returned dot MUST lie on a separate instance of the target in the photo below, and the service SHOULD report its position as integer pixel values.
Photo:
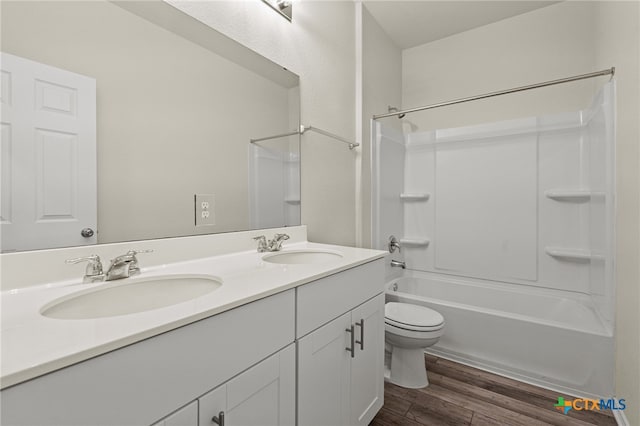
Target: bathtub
(544, 337)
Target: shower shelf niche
(569, 254)
(414, 196)
(579, 195)
(414, 242)
(292, 200)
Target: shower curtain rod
(304, 129)
(608, 71)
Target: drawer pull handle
(352, 348)
(361, 341)
(219, 419)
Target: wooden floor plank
(435, 411)
(483, 378)
(395, 403)
(460, 395)
(525, 392)
(388, 418)
(553, 417)
(515, 419)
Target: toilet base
(407, 368)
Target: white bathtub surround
(521, 208)
(33, 345)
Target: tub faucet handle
(394, 244)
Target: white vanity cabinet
(142, 383)
(309, 355)
(264, 395)
(341, 363)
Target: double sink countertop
(33, 344)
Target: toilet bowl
(409, 329)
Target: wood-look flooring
(459, 395)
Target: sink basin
(130, 296)
(305, 256)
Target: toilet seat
(411, 317)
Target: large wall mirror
(131, 120)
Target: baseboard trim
(621, 418)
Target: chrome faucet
(398, 264)
(276, 243)
(94, 268)
(273, 245)
(124, 266)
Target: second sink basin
(130, 296)
(304, 256)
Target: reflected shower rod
(609, 71)
(302, 131)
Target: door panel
(324, 374)
(48, 156)
(264, 395)
(367, 368)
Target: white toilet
(409, 329)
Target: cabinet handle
(219, 419)
(361, 341)
(352, 348)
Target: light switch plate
(204, 209)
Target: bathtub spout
(398, 264)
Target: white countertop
(33, 345)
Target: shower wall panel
(485, 207)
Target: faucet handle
(394, 244)
(276, 243)
(262, 243)
(134, 252)
(94, 266)
(130, 256)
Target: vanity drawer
(325, 299)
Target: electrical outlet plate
(204, 209)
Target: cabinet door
(264, 395)
(367, 367)
(186, 416)
(324, 374)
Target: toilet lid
(407, 315)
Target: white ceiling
(412, 23)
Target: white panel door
(48, 156)
(367, 367)
(324, 369)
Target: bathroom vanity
(276, 344)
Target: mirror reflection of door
(48, 156)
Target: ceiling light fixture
(283, 7)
